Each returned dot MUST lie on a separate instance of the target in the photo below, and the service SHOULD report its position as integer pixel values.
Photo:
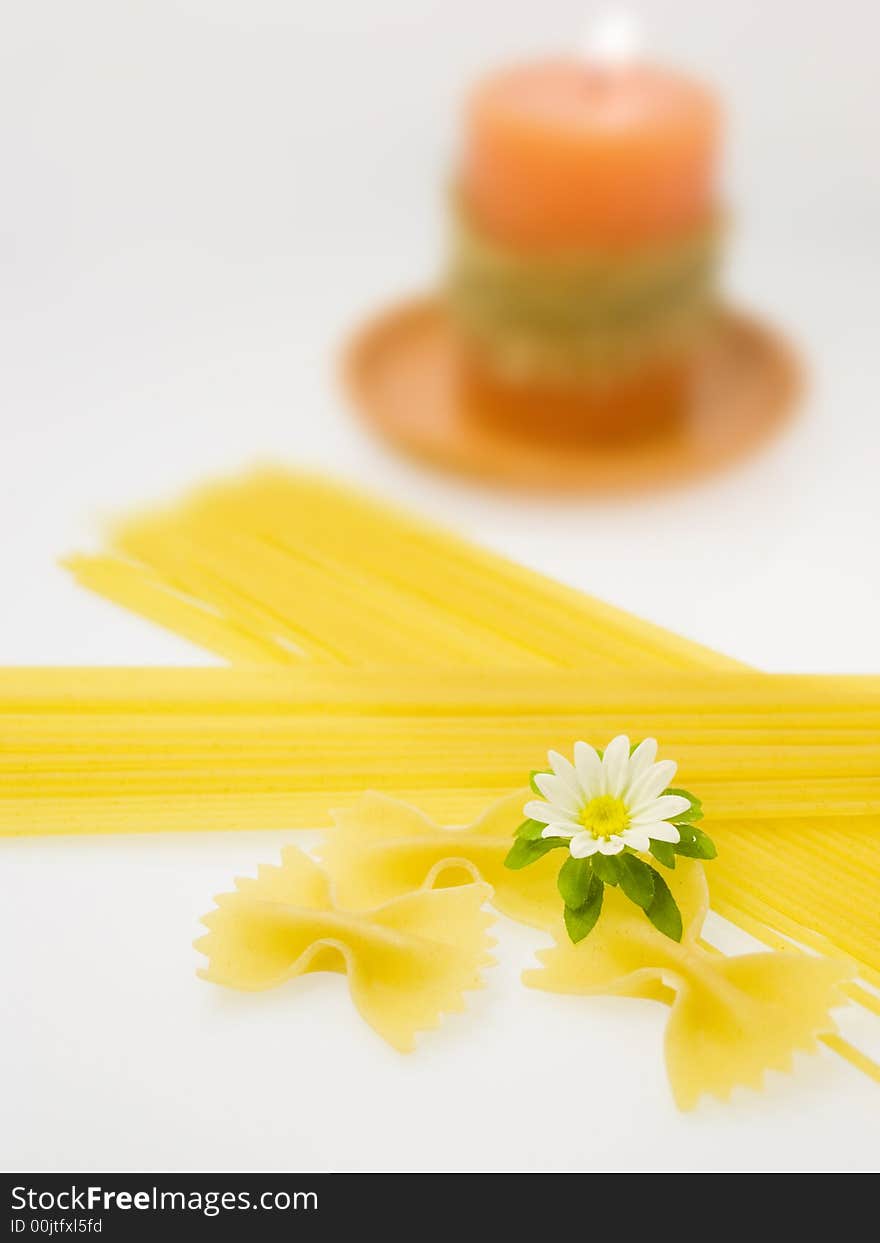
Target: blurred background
(202, 197)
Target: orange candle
(569, 154)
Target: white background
(197, 200)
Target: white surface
(198, 199)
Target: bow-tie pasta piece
(407, 962)
(732, 1019)
(381, 848)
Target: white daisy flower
(604, 804)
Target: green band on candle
(580, 316)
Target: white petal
(663, 832)
(564, 770)
(615, 765)
(544, 813)
(557, 791)
(642, 759)
(610, 845)
(536, 810)
(650, 784)
(583, 845)
(665, 808)
(560, 830)
(588, 767)
(639, 839)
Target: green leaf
(523, 852)
(530, 830)
(694, 812)
(607, 868)
(707, 846)
(663, 911)
(663, 852)
(537, 772)
(693, 843)
(574, 881)
(580, 922)
(637, 880)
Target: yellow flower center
(605, 815)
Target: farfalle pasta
(731, 1019)
(407, 961)
(381, 848)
